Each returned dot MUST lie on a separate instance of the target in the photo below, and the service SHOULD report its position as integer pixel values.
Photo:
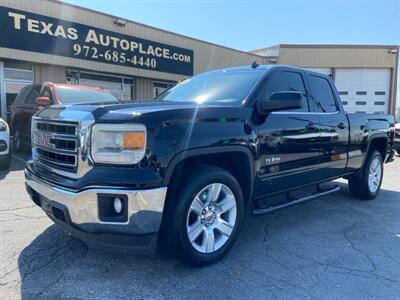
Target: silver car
(5, 151)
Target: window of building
(361, 103)
(344, 102)
(287, 81)
(121, 87)
(379, 102)
(16, 75)
(18, 71)
(160, 87)
(322, 93)
(361, 93)
(380, 93)
(360, 112)
(343, 93)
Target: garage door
(364, 90)
(325, 71)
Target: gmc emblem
(44, 139)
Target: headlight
(118, 143)
(3, 125)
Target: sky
(252, 24)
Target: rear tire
(203, 216)
(367, 186)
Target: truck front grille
(56, 144)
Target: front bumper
(80, 214)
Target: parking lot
(334, 247)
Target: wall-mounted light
(120, 22)
(393, 50)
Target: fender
(370, 139)
(211, 150)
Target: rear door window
(287, 81)
(322, 93)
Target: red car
(34, 97)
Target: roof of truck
(68, 85)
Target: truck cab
(180, 172)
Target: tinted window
(33, 95)
(22, 94)
(322, 93)
(221, 87)
(287, 81)
(72, 95)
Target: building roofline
(152, 27)
(328, 46)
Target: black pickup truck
(182, 171)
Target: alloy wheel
(211, 218)
(375, 174)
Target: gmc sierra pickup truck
(181, 171)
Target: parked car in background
(397, 138)
(34, 97)
(5, 151)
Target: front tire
(204, 218)
(18, 140)
(367, 186)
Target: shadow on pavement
(275, 250)
(16, 165)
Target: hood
(145, 112)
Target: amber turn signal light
(134, 140)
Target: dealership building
(48, 40)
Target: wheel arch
(378, 142)
(237, 160)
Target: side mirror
(42, 101)
(281, 101)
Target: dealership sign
(37, 33)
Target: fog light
(117, 205)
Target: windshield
(72, 95)
(213, 87)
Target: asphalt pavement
(335, 247)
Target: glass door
(12, 88)
(14, 76)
